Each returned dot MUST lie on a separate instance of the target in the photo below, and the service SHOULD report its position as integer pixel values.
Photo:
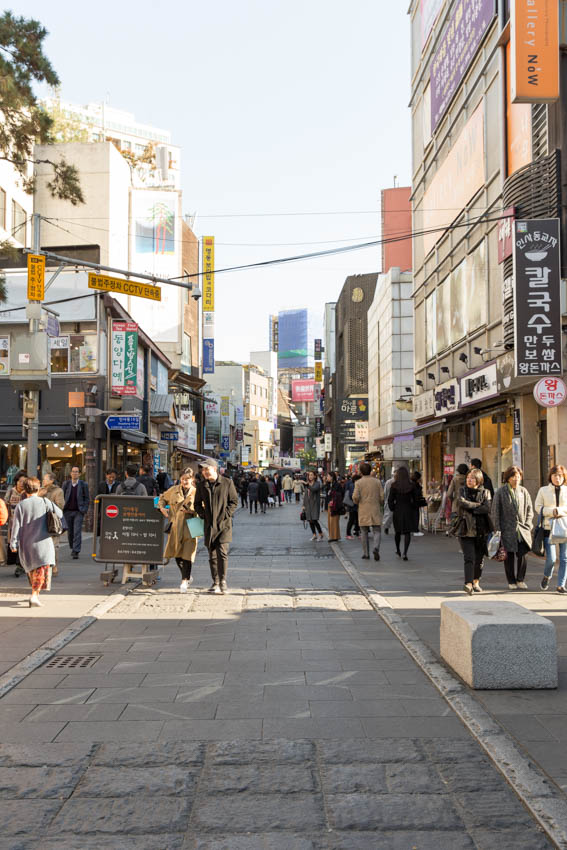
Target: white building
(16, 207)
(390, 368)
(329, 331)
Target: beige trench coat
(369, 496)
(180, 544)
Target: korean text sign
(36, 277)
(537, 284)
(124, 358)
(208, 273)
(303, 390)
(131, 530)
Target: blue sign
(169, 435)
(225, 442)
(208, 356)
(224, 454)
(123, 423)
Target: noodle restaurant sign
(537, 297)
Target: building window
(252, 410)
(19, 218)
(74, 353)
(3, 209)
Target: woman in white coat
(551, 502)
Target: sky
(291, 118)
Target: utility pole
(32, 396)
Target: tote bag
(196, 526)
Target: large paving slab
(282, 715)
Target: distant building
(295, 339)
(396, 229)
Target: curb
(48, 649)
(539, 794)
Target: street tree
(24, 122)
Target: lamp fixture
(463, 357)
(445, 369)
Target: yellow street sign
(36, 277)
(124, 287)
(318, 371)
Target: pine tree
(23, 120)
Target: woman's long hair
(402, 481)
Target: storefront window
(496, 446)
(431, 325)
(74, 353)
(56, 457)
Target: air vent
(71, 662)
(539, 130)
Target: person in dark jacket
(420, 499)
(263, 493)
(77, 502)
(402, 501)
(216, 500)
(476, 463)
(163, 481)
(253, 488)
(146, 478)
(312, 505)
(512, 516)
(243, 490)
(335, 509)
(110, 483)
(472, 505)
(131, 486)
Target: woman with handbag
(512, 516)
(312, 505)
(550, 505)
(14, 494)
(30, 537)
(335, 508)
(402, 501)
(177, 505)
(472, 525)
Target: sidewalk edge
(47, 650)
(539, 794)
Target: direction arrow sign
(123, 423)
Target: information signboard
(131, 530)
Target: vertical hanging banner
(208, 260)
(318, 371)
(208, 274)
(537, 296)
(36, 277)
(534, 46)
(124, 358)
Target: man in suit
(216, 500)
(109, 484)
(76, 505)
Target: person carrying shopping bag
(550, 504)
(512, 516)
(177, 505)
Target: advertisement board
(537, 297)
(534, 41)
(208, 356)
(212, 423)
(131, 530)
(124, 358)
(303, 390)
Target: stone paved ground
(434, 573)
(283, 715)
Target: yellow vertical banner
(318, 371)
(36, 277)
(208, 274)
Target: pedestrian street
(282, 714)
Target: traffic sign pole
(33, 395)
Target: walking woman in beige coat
(177, 505)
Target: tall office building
(296, 334)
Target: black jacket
(149, 483)
(403, 507)
(102, 489)
(263, 492)
(216, 509)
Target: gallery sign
(479, 385)
(534, 43)
(537, 297)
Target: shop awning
(160, 406)
(191, 453)
(384, 441)
(429, 428)
(403, 436)
(137, 437)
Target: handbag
(494, 544)
(54, 524)
(303, 515)
(196, 526)
(558, 530)
(348, 500)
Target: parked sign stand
(131, 534)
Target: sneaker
(512, 587)
(468, 588)
(561, 589)
(544, 583)
(418, 534)
(214, 588)
(184, 586)
(522, 585)
(349, 537)
(376, 554)
(477, 588)
(223, 586)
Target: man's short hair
(131, 470)
(476, 462)
(111, 471)
(365, 468)
(51, 476)
(147, 468)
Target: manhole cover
(71, 662)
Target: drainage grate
(71, 662)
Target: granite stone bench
(498, 645)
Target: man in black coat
(146, 478)
(110, 483)
(215, 502)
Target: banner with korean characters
(124, 358)
(537, 297)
